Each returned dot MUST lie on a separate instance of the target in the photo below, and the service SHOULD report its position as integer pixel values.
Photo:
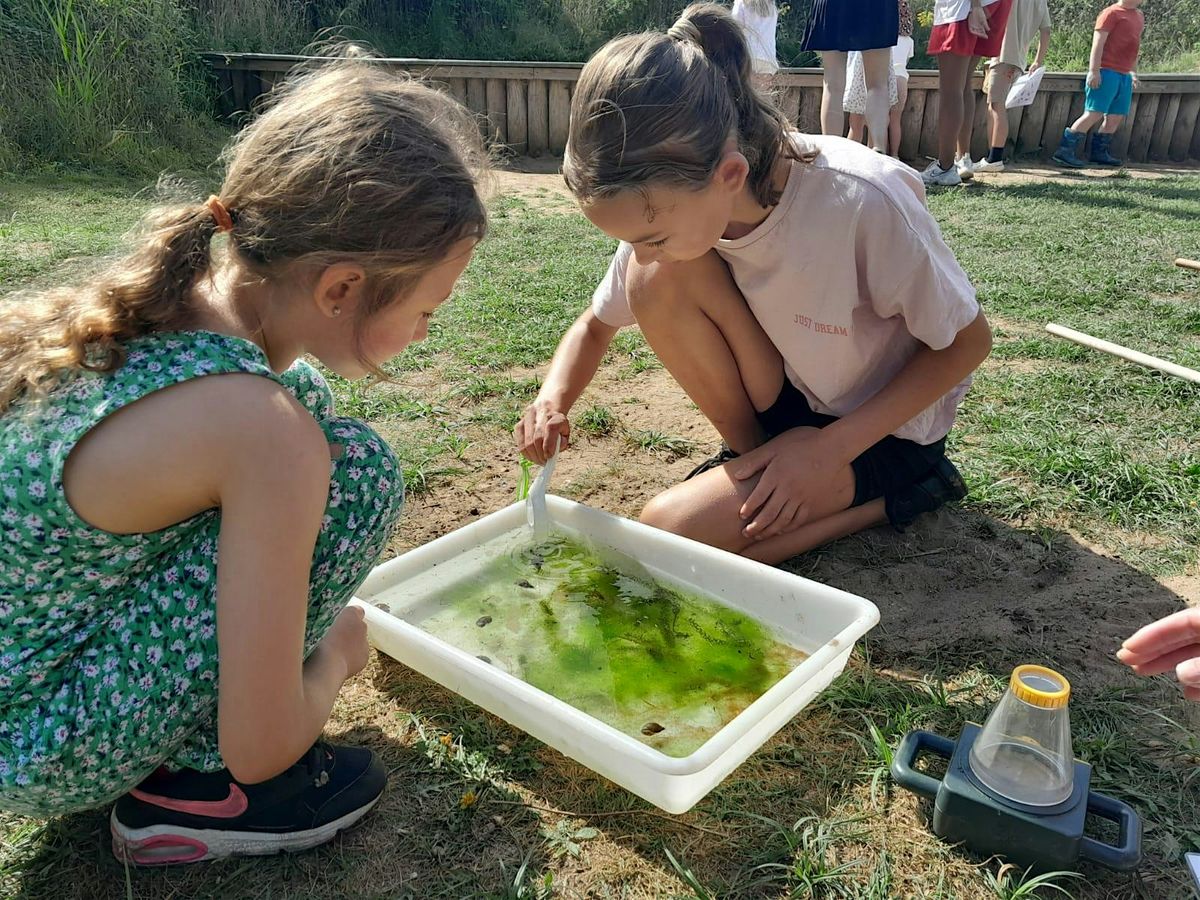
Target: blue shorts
(1113, 96)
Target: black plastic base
(1046, 838)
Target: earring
(337, 310)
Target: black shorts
(883, 469)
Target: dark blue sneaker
(189, 816)
(1067, 153)
(942, 485)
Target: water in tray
(667, 667)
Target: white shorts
(901, 54)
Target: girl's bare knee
(653, 286)
(664, 512)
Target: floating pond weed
(664, 666)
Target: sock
(996, 154)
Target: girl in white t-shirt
(795, 287)
(759, 19)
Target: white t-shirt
(1025, 20)
(848, 276)
(760, 35)
(947, 11)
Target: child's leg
(858, 127)
(999, 83)
(953, 75)
(877, 66)
(1087, 121)
(967, 124)
(1111, 124)
(896, 117)
(833, 65)
(706, 509)
(696, 321)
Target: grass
(1052, 436)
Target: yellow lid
(1033, 684)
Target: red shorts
(956, 37)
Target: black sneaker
(722, 456)
(942, 485)
(189, 816)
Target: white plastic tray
(822, 621)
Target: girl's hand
(1169, 643)
(346, 641)
(537, 434)
(1093, 79)
(795, 467)
(977, 22)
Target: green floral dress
(108, 643)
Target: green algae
(664, 666)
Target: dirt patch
(538, 182)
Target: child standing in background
(855, 100)
(759, 20)
(1027, 18)
(964, 31)
(1110, 83)
(178, 549)
(835, 27)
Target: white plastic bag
(1025, 88)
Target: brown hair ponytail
(659, 108)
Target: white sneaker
(935, 174)
(966, 168)
(984, 166)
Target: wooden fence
(526, 105)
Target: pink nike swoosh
(229, 808)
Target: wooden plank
(477, 102)
(1143, 127)
(1016, 116)
(1029, 138)
(559, 115)
(927, 147)
(789, 103)
(497, 111)
(477, 96)
(458, 89)
(1120, 144)
(1194, 152)
(518, 124)
(1183, 127)
(538, 117)
(239, 91)
(910, 124)
(809, 118)
(1058, 107)
(1164, 124)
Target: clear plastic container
(1024, 751)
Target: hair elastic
(219, 213)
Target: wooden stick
(1188, 263)
(1142, 359)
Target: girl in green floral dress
(177, 549)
